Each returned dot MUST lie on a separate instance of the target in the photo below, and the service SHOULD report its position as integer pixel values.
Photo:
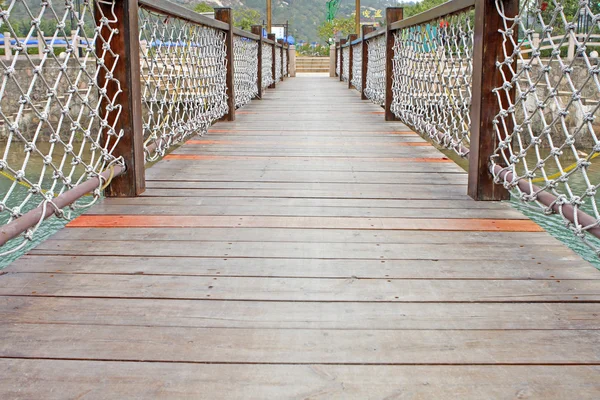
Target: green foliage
(203, 7)
(421, 7)
(244, 18)
(328, 30)
(307, 50)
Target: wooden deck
(308, 250)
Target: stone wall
(74, 81)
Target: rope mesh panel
(57, 123)
(549, 101)
(245, 55)
(267, 65)
(375, 88)
(431, 84)
(277, 64)
(183, 80)
(346, 72)
(285, 63)
(357, 66)
(338, 63)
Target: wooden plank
(300, 289)
(297, 315)
(305, 268)
(175, 221)
(282, 346)
(59, 379)
(257, 210)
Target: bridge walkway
(307, 250)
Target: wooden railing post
(127, 72)
(487, 49)
(280, 41)
(271, 36)
(392, 14)
(257, 30)
(225, 15)
(342, 61)
(366, 29)
(351, 38)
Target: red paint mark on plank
(409, 224)
(198, 157)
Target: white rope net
(285, 63)
(278, 65)
(357, 66)
(346, 66)
(183, 80)
(57, 123)
(375, 87)
(547, 127)
(245, 55)
(432, 73)
(267, 65)
(338, 62)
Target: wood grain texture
(326, 257)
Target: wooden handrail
(175, 10)
(451, 7)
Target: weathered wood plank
(307, 268)
(299, 289)
(298, 315)
(59, 379)
(299, 346)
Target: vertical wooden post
(351, 38)
(487, 49)
(366, 29)
(269, 16)
(257, 30)
(76, 43)
(41, 44)
(342, 61)
(392, 14)
(280, 41)
(357, 18)
(125, 45)
(7, 47)
(225, 15)
(271, 36)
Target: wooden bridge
(307, 250)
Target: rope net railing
(278, 65)
(432, 73)
(346, 64)
(549, 100)
(57, 118)
(375, 84)
(285, 63)
(338, 62)
(183, 80)
(245, 53)
(267, 65)
(357, 66)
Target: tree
(421, 7)
(244, 18)
(328, 29)
(203, 7)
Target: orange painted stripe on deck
(308, 144)
(410, 224)
(198, 157)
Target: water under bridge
(306, 248)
